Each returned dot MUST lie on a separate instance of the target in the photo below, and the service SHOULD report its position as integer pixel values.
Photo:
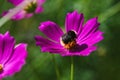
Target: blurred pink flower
(12, 57)
(78, 39)
(32, 8)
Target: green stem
(72, 69)
(56, 67)
(110, 12)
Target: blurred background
(102, 64)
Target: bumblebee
(68, 40)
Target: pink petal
(7, 46)
(39, 9)
(16, 61)
(40, 2)
(74, 21)
(89, 28)
(1, 46)
(20, 15)
(94, 38)
(28, 15)
(87, 51)
(51, 30)
(57, 51)
(15, 2)
(4, 13)
(46, 45)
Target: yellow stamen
(30, 5)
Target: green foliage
(102, 64)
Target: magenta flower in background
(12, 57)
(79, 38)
(34, 7)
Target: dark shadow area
(79, 48)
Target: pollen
(1, 68)
(68, 40)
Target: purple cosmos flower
(28, 11)
(12, 57)
(79, 38)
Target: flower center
(30, 8)
(68, 40)
(1, 68)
